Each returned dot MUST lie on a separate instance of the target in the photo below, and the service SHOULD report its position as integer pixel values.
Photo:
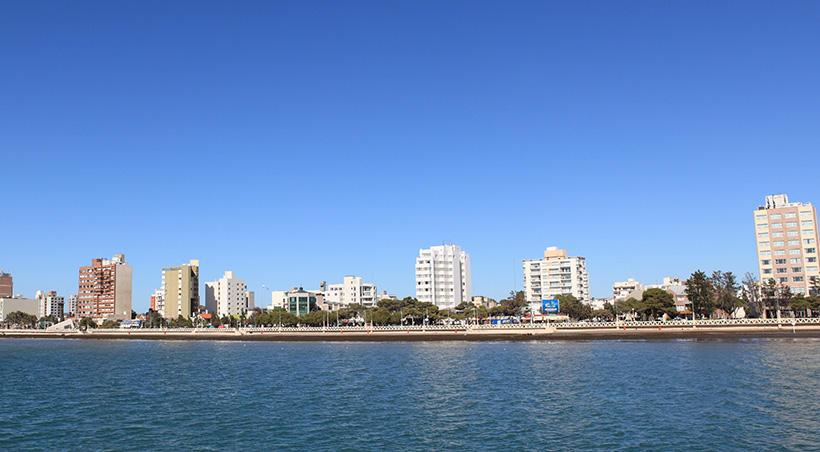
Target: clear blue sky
(295, 142)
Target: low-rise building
(352, 291)
(300, 301)
(8, 305)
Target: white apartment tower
(443, 276)
(227, 296)
(352, 291)
(556, 274)
(787, 243)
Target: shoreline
(462, 334)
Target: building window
(797, 278)
(767, 271)
(805, 213)
(795, 260)
(811, 259)
(794, 251)
(764, 244)
(766, 253)
(808, 241)
(783, 280)
(782, 270)
(760, 217)
(808, 232)
(794, 242)
(766, 262)
(775, 216)
(780, 261)
(777, 234)
(777, 243)
(779, 252)
(763, 235)
(811, 250)
(791, 224)
(763, 226)
(791, 215)
(791, 233)
(811, 269)
(806, 223)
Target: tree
(801, 304)
(751, 295)
(724, 292)
(21, 318)
(110, 324)
(699, 292)
(656, 302)
(515, 305)
(87, 322)
(574, 309)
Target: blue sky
(296, 142)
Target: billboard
(549, 306)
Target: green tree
(515, 305)
(699, 292)
(110, 324)
(87, 322)
(801, 306)
(656, 302)
(814, 286)
(574, 309)
(21, 318)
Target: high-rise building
(50, 304)
(105, 289)
(443, 276)
(6, 284)
(180, 287)
(556, 274)
(227, 296)
(352, 291)
(787, 243)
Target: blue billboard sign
(549, 306)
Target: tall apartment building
(227, 296)
(6, 284)
(787, 242)
(180, 290)
(352, 291)
(51, 304)
(105, 289)
(556, 274)
(443, 276)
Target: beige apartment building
(180, 287)
(786, 236)
(105, 289)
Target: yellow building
(180, 286)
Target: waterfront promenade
(716, 329)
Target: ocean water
(684, 395)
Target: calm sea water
(230, 396)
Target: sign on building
(549, 306)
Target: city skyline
(638, 136)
